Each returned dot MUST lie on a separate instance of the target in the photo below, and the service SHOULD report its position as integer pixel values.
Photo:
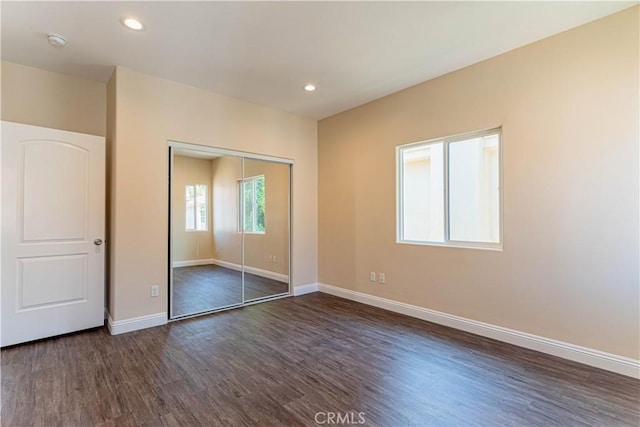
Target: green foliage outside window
(254, 205)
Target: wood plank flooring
(207, 287)
(283, 362)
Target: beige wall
(268, 251)
(189, 245)
(43, 98)
(568, 106)
(226, 171)
(150, 111)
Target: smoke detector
(56, 40)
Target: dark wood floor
(282, 362)
(207, 287)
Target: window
(449, 191)
(196, 202)
(253, 197)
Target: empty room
(312, 213)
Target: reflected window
(252, 193)
(196, 207)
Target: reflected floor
(206, 287)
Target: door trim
(227, 152)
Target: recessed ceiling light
(310, 87)
(56, 40)
(132, 23)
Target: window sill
(495, 247)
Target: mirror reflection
(207, 249)
(266, 228)
(229, 231)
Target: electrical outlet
(372, 276)
(155, 290)
(382, 278)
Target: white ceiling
(264, 52)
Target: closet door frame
(172, 146)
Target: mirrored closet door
(266, 229)
(229, 229)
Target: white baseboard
(227, 264)
(136, 323)
(588, 356)
(192, 262)
(305, 289)
(252, 270)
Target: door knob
(97, 242)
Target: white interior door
(53, 187)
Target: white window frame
(446, 142)
(241, 184)
(195, 208)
